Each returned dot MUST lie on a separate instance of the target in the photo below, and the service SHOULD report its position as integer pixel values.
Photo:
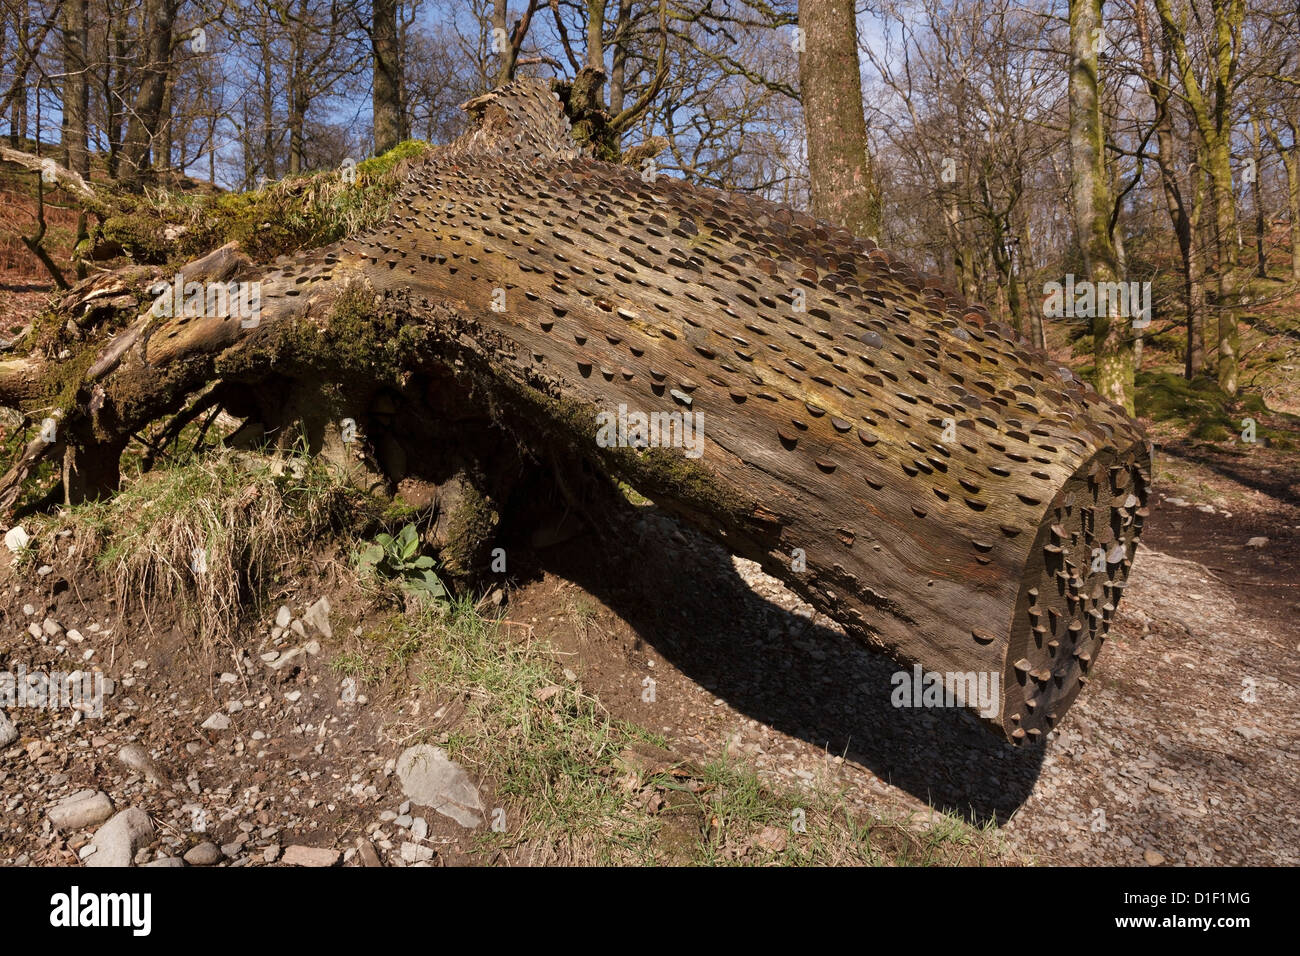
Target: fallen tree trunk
(909, 466)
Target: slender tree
(843, 189)
(386, 99)
(1093, 201)
(76, 91)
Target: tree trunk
(1184, 219)
(908, 465)
(1194, 296)
(298, 104)
(1257, 154)
(163, 140)
(1033, 308)
(22, 64)
(1291, 159)
(1214, 124)
(76, 89)
(595, 34)
(114, 58)
(618, 61)
(387, 77)
(1290, 156)
(142, 123)
(843, 189)
(507, 40)
(1112, 344)
(267, 92)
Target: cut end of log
(1074, 576)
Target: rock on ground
(86, 808)
(16, 539)
(318, 616)
(430, 778)
(310, 856)
(117, 840)
(205, 854)
(217, 721)
(137, 758)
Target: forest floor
(646, 698)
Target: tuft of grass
(754, 824)
(209, 534)
(549, 753)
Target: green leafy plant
(398, 557)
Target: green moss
(1210, 431)
(633, 496)
(395, 513)
(377, 167)
(1202, 409)
(48, 330)
(665, 471)
(67, 377)
(1168, 397)
(137, 232)
(298, 212)
(304, 212)
(361, 338)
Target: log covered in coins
(905, 463)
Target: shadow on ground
(681, 594)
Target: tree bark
(76, 89)
(908, 465)
(387, 77)
(843, 188)
(1090, 184)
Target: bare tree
(1208, 91)
(1183, 194)
(143, 120)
